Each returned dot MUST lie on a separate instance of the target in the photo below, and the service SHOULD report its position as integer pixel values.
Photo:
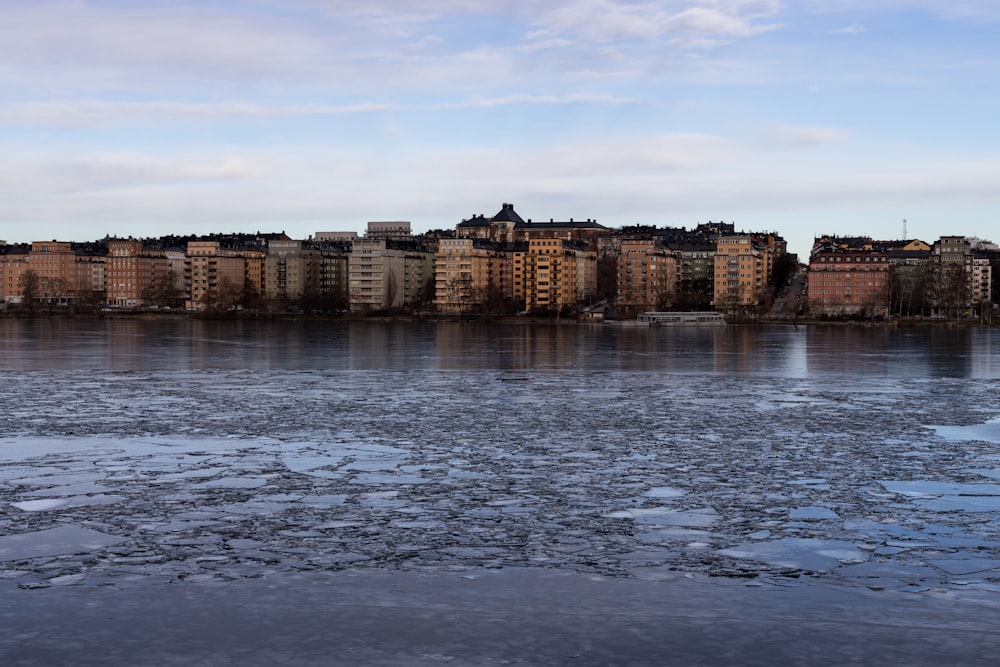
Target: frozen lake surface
(214, 452)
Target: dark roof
(572, 224)
(508, 214)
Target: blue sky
(803, 117)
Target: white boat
(682, 319)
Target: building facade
(848, 282)
(647, 275)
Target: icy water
(196, 450)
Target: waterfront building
(472, 274)
(52, 272)
(553, 274)
(951, 259)
(647, 275)
(385, 274)
(213, 275)
(741, 267)
(310, 270)
(136, 275)
(848, 278)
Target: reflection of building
(848, 279)
(647, 274)
(386, 274)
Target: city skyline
(306, 115)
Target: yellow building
(469, 275)
(553, 274)
(741, 271)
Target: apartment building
(739, 273)
(552, 274)
(212, 274)
(647, 275)
(471, 274)
(138, 276)
(13, 265)
(311, 269)
(848, 279)
(388, 230)
(386, 274)
(53, 272)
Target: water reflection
(182, 344)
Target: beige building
(213, 275)
(647, 275)
(469, 274)
(385, 274)
(388, 230)
(297, 269)
(982, 281)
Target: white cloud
(59, 174)
(689, 23)
(853, 29)
(100, 113)
(801, 136)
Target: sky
(802, 117)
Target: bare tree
(31, 287)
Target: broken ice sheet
(918, 489)
(988, 432)
(966, 565)
(665, 516)
(802, 553)
(45, 504)
(812, 514)
(59, 541)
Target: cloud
(59, 174)
(801, 136)
(108, 45)
(697, 23)
(853, 29)
(100, 113)
(959, 10)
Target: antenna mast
(904, 229)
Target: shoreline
(153, 315)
